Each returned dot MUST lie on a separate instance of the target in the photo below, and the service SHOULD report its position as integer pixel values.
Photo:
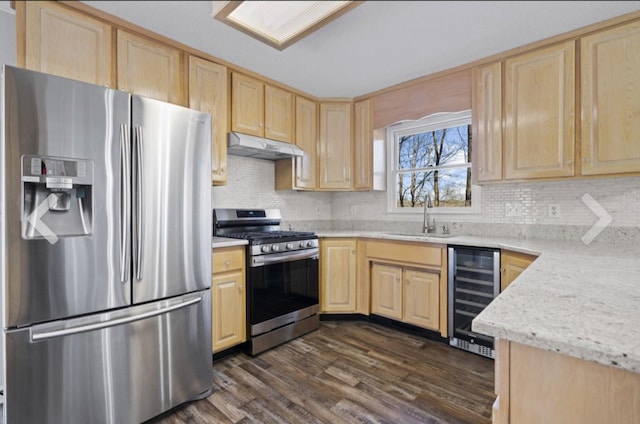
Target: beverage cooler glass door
(474, 281)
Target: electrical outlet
(554, 210)
(512, 209)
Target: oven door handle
(272, 258)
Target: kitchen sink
(429, 235)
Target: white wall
(7, 35)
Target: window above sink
(431, 157)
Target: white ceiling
(376, 45)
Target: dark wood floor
(348, 372)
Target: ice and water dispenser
(56, 194)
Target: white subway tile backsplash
(251, 185)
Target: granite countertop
(226, 242)
(575, 299)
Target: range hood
(261, 148)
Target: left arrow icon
(36, 222)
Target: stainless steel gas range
(282, 275)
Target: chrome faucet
(428, 227)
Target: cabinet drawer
(227, 259)
(403, 252)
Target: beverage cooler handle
(125, 199)
(139, 203)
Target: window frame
(429, 123)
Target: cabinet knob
(227, 263)
(481, 170)
(397, 278)
(586, 160)
(240, 289)
(259, 125)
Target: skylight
(279, 23)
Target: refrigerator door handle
(125, 199)
(139, 204)
(45, 335)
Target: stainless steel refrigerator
(106, 252)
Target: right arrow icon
(603, 222)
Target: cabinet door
(208, 93)
(511, 266)
(363, 146)
(335, 145)
(422, 298)
(149, 69)
(610, 65)
(228, 326)
(338, 275)
(306, 171)
(247, 105)
(279, 112)
(539, 111)
(386, 290)
(63, 42)
(487, 122)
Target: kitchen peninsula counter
(575, 299)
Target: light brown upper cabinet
(610, 68)
(335, 145)
(262, 110)
(247, 105)
(539, 110)
(487, 122)
(60, 41)
(150, 69)
(363, 146)
(301, 173)
(279, 114)
(208, 93)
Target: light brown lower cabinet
(511, 266)
(228, 298)
(406, 294)
(408, 282)
(338, 275)
(538, 386)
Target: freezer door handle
(45, 335)
(125, 199)
(139, 203)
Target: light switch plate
(513, 209)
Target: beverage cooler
(474, 281)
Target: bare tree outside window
(435, 163)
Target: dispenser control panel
(57, 171)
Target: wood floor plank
(348, 372)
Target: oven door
(282, 288)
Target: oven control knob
(265, 249)
(289, 246)
(302, 244)
(275, 248)
(309, 244)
